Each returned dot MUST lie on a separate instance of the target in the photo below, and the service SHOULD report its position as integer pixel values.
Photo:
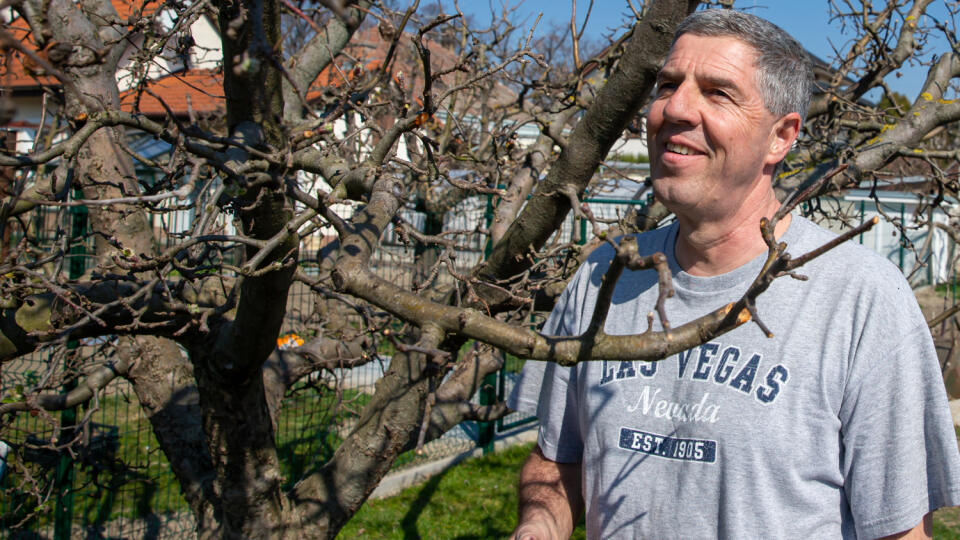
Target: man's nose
(681, 106)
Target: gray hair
(784, 73)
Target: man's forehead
(708, 43)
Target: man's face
(709, 134)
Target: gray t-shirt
(837, 426)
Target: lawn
(478, 499)
(946, 522)
(475, 499)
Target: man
(836, 427)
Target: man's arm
(550, 498)
(923, 531)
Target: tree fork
(387, 425)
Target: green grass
(475, 499)
(630, 158)
(512, 364)
(946, 524)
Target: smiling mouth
(678, 149)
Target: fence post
(903, 236)
(583, 232)
(487, 431)
(863, 214)
(63, 481)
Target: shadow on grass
(490, 530)
(409, 521)
(488, 527)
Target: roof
(133, 11)
(198, 90)
(370, 46)
(22, 72)
(16, 73)
(202, 90)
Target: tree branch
(615, 106)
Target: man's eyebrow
(665, 73)
(718, 81)
(715, 81)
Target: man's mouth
(678, 149)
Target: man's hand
(536, 530)
(550, 498)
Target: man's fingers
(534, 531)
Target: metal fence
(909, 232)
(117, 483)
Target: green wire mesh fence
(117, 482)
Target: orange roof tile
(136, 9)
(201, 90)
(18, 71)
(15, 72)
(371, 47)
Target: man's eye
(719, 93)
(666, 87)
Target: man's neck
(710, 248)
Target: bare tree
(375, 111)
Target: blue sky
(806, 20)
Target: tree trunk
(160, 377)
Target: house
(184, 79)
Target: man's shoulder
(851, 255)
(850, 267)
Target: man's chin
(675, 197)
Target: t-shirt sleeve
(543, 390)
(899, 456)
(548, 390)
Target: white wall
(207, 53)
(886, 238)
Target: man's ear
(782, 136)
